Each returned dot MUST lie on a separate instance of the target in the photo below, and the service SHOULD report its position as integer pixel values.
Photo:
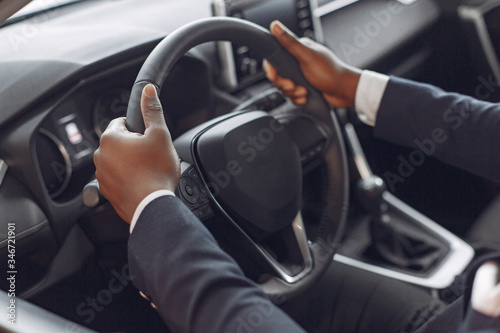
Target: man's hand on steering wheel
(320, 66)
(130, 166)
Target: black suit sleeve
(454, 128)
(458, 130)
(196, 286)
(480, 323)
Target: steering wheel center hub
(253, 168)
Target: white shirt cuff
(371, 88)
(146, 201)
(485, 296)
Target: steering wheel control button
(308, 137)
(193, 174)
(189, 190)
(199, 213)
(203, 212)
(208, 210)
(203, 194)
(311, 154)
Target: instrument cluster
(69, 135)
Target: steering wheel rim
(162, 59)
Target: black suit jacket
(454, 128)
(198, 288)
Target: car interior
(69, 67)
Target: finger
(152, 111)
(116, 125)
(271, 72)
(115, 128)
(97, 157)
(299, 100)
(286, 85)
(279, 82)
(300, 91)
(288, 39)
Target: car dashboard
(68, 72)
(67, 79)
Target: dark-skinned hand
(130, 166)
(321, 67)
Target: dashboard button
(304, 13)
(305, 24)
(203, 194)
(302, 4)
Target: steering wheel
(246, 168)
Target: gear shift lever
(370, 191)
(394, 243)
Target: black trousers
(349, 299)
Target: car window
(40, 6)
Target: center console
(241, 65)
(415, 249)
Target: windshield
(39, 6)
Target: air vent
(305, 19)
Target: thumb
(288, 39)
(152, 111)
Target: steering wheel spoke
(295, 259)
(296, 242)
